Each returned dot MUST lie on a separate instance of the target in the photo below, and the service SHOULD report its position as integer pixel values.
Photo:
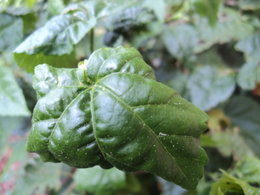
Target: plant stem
(92, 42)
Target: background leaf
(229, 184)
(100, 180)
(208, 87)
(248, 170)
(180, 41)
(227, 143)
(54, 42)
(208, 9)
(249, 76)
(231, 26)
(36, 177)
(250, 46)
(158, 7)
(10, 26)
(7, 126)
(244, 113)
(249, 4)
(11, 95)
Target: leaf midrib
(111, 92)
(104, 88)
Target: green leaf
(102, 8)
(20, 3)
(98, 116)
(249, 4)
(11, 32)
(180, 40)
(208, 87)
(244, 113)
(179, 83)
(54, 42)
(37, 177)
(248, 170)
(250, 46)
(134, 19)
(29, 22)
(11, 96)
(55, 6)
(158, 7)
(227, 143)
(28, 62)
(249, 76)
(130, 18)
(232, 26)
(208, 9)
(100, 181)
(228, 184)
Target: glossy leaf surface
(114, 113)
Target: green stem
(92, 40)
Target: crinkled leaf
(116, 113)
(100, 181)
(208, 87)
(244, 112)
(11, 96)
(11, 32)
(228, 184)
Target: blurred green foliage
(207, 50)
